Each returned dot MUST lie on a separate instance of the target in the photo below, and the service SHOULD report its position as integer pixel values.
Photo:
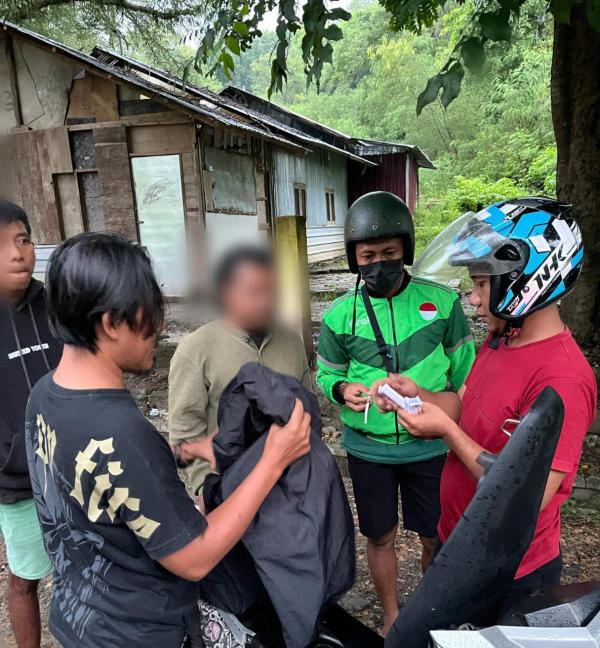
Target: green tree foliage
(495, 140)
(224, 29)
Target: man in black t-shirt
(125, 540)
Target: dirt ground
(581, 526)
(581, 539)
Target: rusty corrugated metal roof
(152, 86)
(359, 146)
(213, 107)
(222, 102)
(376, 147)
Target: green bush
(541, 174)
(424, 235)
(467, 194)
(473, 194)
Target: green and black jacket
(429, 341)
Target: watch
(338, 391)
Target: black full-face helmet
(378, 214)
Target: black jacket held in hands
(27, 352)
(301, 542)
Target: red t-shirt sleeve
(580, 410)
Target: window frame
(330, 206)
(299, 199)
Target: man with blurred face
(27, 352)
(207, 360)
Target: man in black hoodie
(27, 352)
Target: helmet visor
(469, 246)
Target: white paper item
(410, 405)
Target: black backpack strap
(382, 346)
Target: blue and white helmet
(529, 247)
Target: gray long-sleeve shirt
(205, 362)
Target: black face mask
(383, 277)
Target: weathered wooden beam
(137, 120)
(14, 88)
(114, 172)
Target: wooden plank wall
(93, 97)
(191, 189)
(10, 187)
(34, 159)
(180, 139)
(160, 139)
(114, 172)
(42, 178)
(70, 204)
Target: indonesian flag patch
(428, 311)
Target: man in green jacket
(395, 323)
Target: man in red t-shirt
(522, 256)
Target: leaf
(495, 25)
(339, 14)
(327, 53)
(233, 45)
(592, 12)
(281, 54)
(451, 84)
(429, 95)
(278, 76)
(333, 33)
(209, 38)
(311, 15)
(223, 18)
(186, 72)
(561, 10)
(306, 45)
(241, 28)
(473, 54)
(227, 61)
(512, 5)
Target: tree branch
(33, 8)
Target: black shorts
(376, 487)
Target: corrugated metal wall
(390, 175)
(325, 170)
(318, 171)
(286, 169)
(324, 242)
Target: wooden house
(92, 143)
(103, 142)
